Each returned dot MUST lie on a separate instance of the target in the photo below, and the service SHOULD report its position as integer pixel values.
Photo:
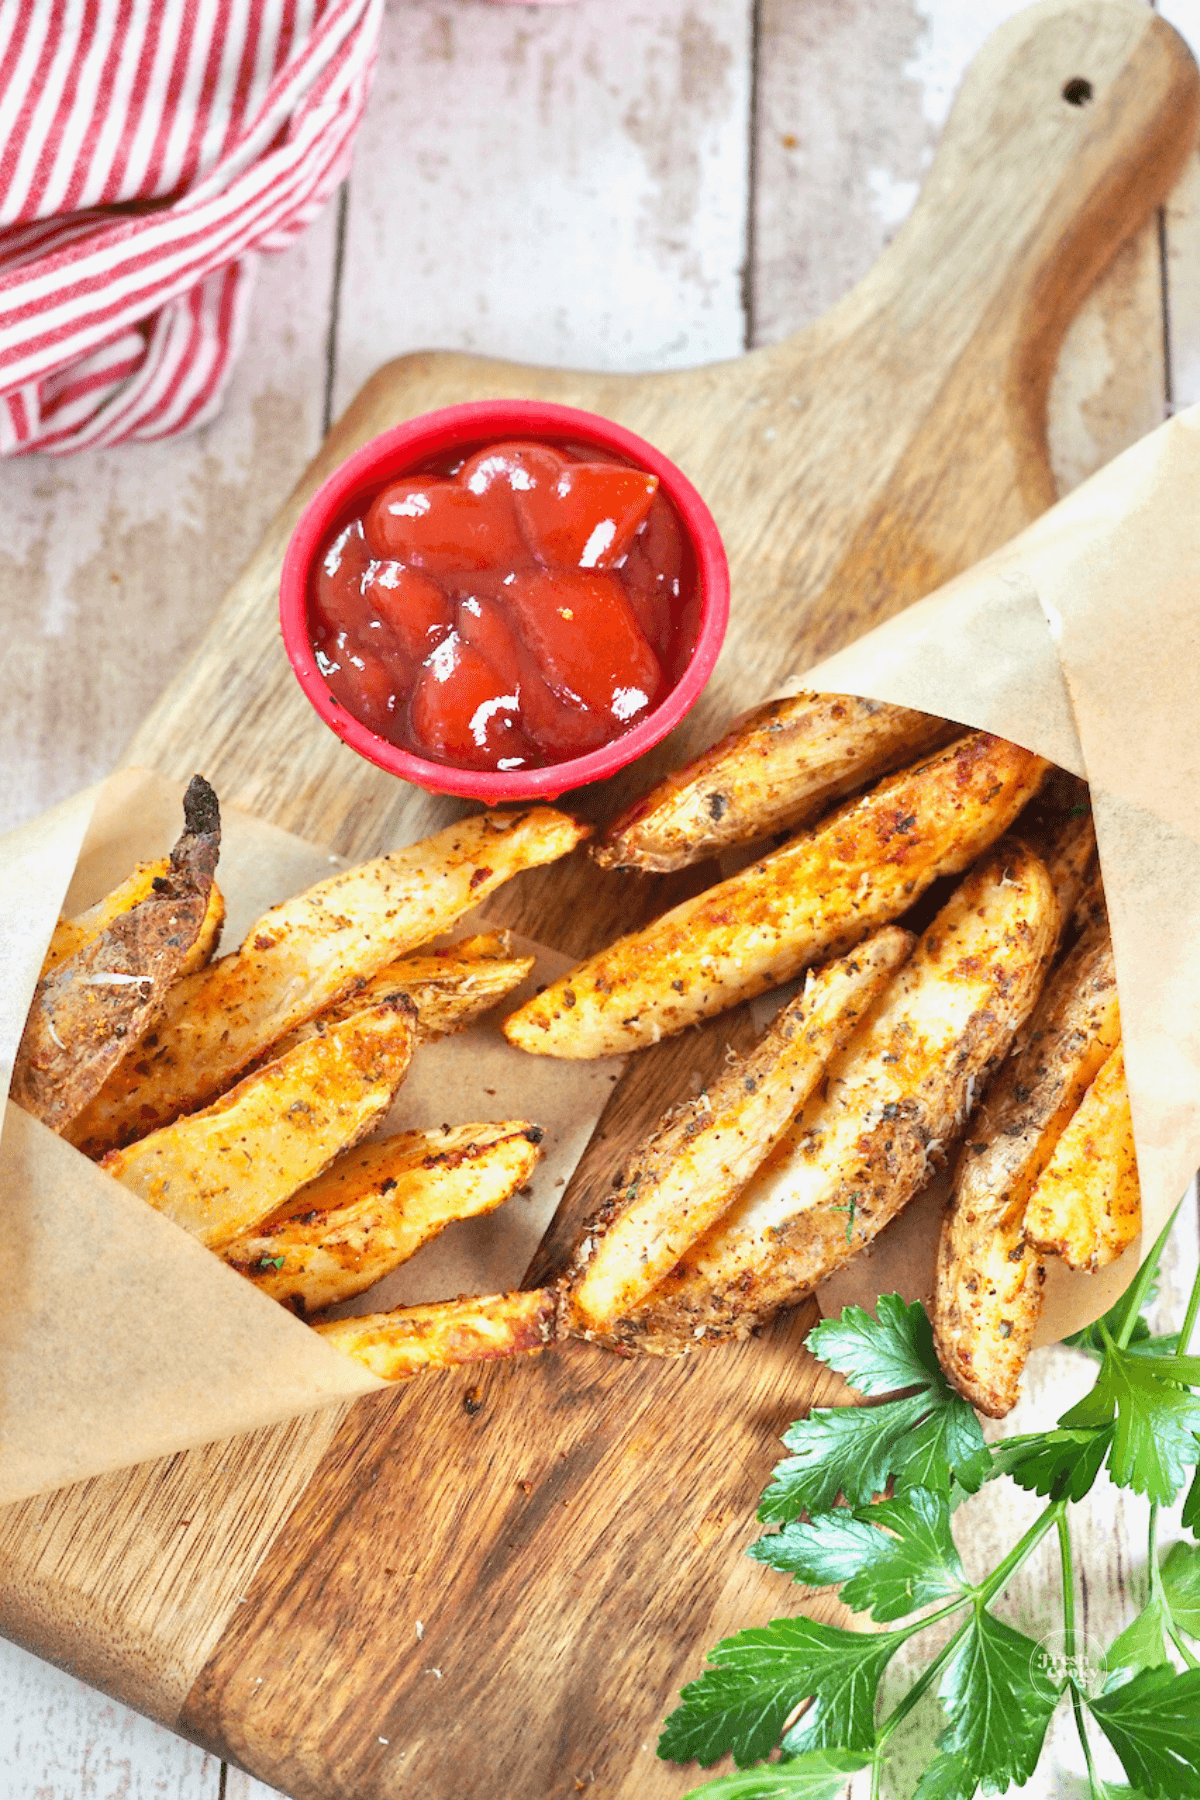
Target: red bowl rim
(393, 453)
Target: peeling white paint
(953, 36)
(891, 198)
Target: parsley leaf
(818, 1775)
(1154, 1444)
(946, 1778)
(1142, 1645)
(1185, 1369)
(758, 1679)
(839, 1450)
(949, 1436)
(997, 1716)
(1191, 1507)
(884, 1574)
(1150, 1721)
(879, 1355)
(927, 1439)
(1181, 1584)
(1056, 1463)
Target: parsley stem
(979, 1598)
(1189, 1319)
(919, 1687)
(1068, 1588)
(1068, 1583)
(1182, 1648)
(1135, 1294)
(1000, 1576)
(1159, 1593)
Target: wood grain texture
(217, 1704)
(512, 1579)
(136, 1607)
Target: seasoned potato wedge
(703, 1155)
(399, 1344)
(1087, 1205)
(860, 1149)
(1091, 908)
(450, 988)
(306, 954)
(1070, 856)
(377, 1205)
(218, 1172)
(778, 768)
(989, 1282)
(101, 997)
(816, 897)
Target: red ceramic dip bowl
(438, 435)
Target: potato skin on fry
(71, 935)
(816, 897)
(701, 1156)
(219, 1171)
(377, 1205)
(305, 955)
(861, 1147)
(1087, 1205)
(989, 1282)
(94, 1002)
(398, 1345)
(777, 768)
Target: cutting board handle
(1070, 127)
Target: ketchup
(522, 606)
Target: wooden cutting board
(495, 1581)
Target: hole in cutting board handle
(1077, 91)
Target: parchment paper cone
(121, 1339)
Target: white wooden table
(614, 183)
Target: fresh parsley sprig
(796, 1701)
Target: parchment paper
(121, 1338)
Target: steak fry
(97, 999)
(816, 897)
(377, 1205)
(989, 1282)
(218, 1172)
(400, 1344)
(861, 1147)
(1087, 1205)
(779, 767)
(305, 955)
(702, 1156)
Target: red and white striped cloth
(147, 149)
